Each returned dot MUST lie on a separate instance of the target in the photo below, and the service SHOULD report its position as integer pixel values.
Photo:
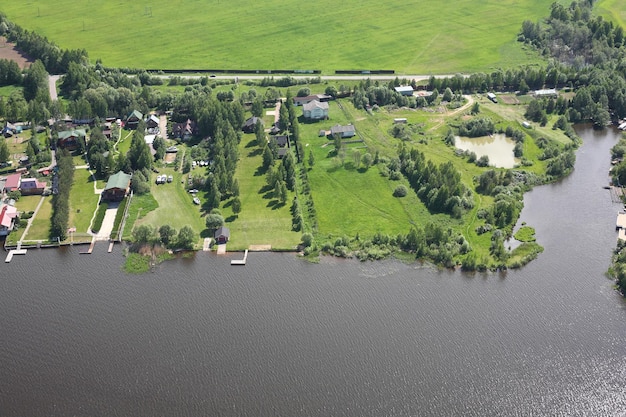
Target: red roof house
(7, 217)
(12, 183)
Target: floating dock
(14, 252)
(240, 261)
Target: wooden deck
(14, 252)
(240, 261)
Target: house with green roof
(133, 119)
(70, 139)
(117, 187)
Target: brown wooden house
(117, 187)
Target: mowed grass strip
(83, 201)
(40, 227)
(424, 38)
(175, 205)
(262, 220)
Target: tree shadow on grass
(252, 143)
(255, 152)
(275, 204)
(260, 171)
(265, 189)
(231, 219)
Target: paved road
(240, 77)
(52, 85)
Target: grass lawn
(83, 201)
(262, 220)
(140, 206)
(40, 227)
(175, 206)
(27, 203)
(410, 38)
(123, 145)
(17, 147)
(7, 90)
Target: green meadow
(408, 37)
(613, 10)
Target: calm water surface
(497, 147)
(281, 337)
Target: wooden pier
(14, 252)
(88, 251)
(240, 261)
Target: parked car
(193, 191)
(196, 201)
(170, 178)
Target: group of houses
(26, 186)
(8, 211)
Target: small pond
(497, 147)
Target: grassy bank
(262, 219)
(367, 34)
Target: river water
(283, 337)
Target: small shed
(222, 234)
(399, 120)
(492, 97)
(405, 90)
(345, 131)
(546, 92)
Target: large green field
(614, 10)
(408, 37)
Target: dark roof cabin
(185, 131)
(249, 124)
(282, 141)
(222, 234)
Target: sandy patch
(509, 99)
(260, 248)
(169, 158)
(8, 51)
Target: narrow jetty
(240, 261)
(14, 252)
(88, 251)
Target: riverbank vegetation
(396, 183)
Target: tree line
(55, 59)
(64, 178)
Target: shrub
(97, 222)
(400, 191)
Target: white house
(315, 110)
